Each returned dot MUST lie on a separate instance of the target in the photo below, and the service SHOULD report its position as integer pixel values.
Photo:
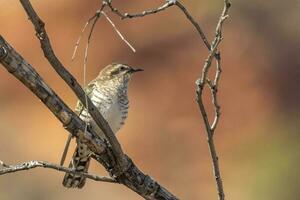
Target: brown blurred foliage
(258, 136)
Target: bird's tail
(80, 162)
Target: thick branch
(73, 84)
(42, 164)
(23, 71)
(132, 177)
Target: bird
(108, 92)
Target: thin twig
(213, 86)
(95, 17)
(194, 23)
(36, 164)
(80, 36)
(214, 92)
(118, 32)
(85, 59)
(168, 4)
(218, 69)
(4, 165)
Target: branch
(118, 32)
(213, 86)
(131, 177)
(42, 164)
(22, 70)
(95, 17)
(194, 23)
(73, 84)
(168, 4)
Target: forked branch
(213, 87)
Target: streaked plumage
(108, 92)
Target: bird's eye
(122, 68)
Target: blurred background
(258, 135)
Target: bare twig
(85, 59)
(3, 164)
(194, 23)
(213, 86)
(118, 32)
(38, 164)
(81, 34)
(96, 18)
(214, 90)
(168, 4)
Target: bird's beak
(132, 70)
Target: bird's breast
(117, 115)
(112, 105)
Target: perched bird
(108, 92)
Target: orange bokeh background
(258, 135)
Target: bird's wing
(88, 91)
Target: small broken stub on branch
(65, 117)
(3, 52)
(93, 144)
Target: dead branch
(118, 32)
(168, 4)
(43, 164)
(22, 70)
(213, 86)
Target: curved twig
(43, 164)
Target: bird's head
(117, 73)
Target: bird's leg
(64, 155)
(65, 152)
